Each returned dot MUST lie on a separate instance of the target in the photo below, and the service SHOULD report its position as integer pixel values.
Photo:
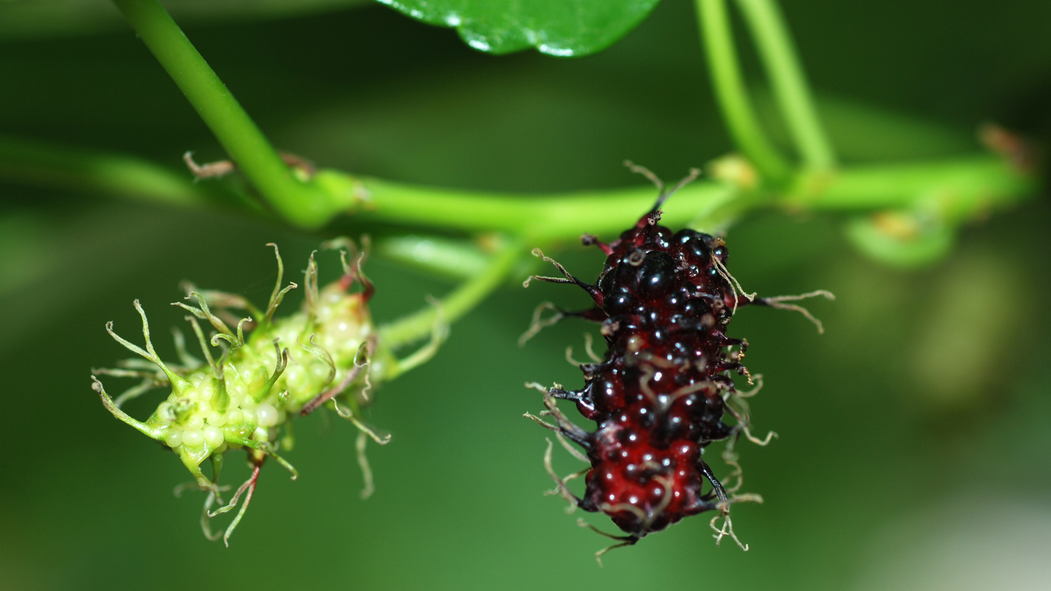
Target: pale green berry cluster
(325, 354)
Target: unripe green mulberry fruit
(250, 385)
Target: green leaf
(562, 28)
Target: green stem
(48, 165)
(464, 298)
(548, 217)
(731, 94)
(300, 203)
(785, 72)
(966, 186)
(960, 189)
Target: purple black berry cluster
(664, 300)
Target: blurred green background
(915, 435)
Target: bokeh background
(915, 435)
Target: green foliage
(562, 28)
(927, 377)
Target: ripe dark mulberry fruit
(664, 300)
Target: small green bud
(905, 239)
